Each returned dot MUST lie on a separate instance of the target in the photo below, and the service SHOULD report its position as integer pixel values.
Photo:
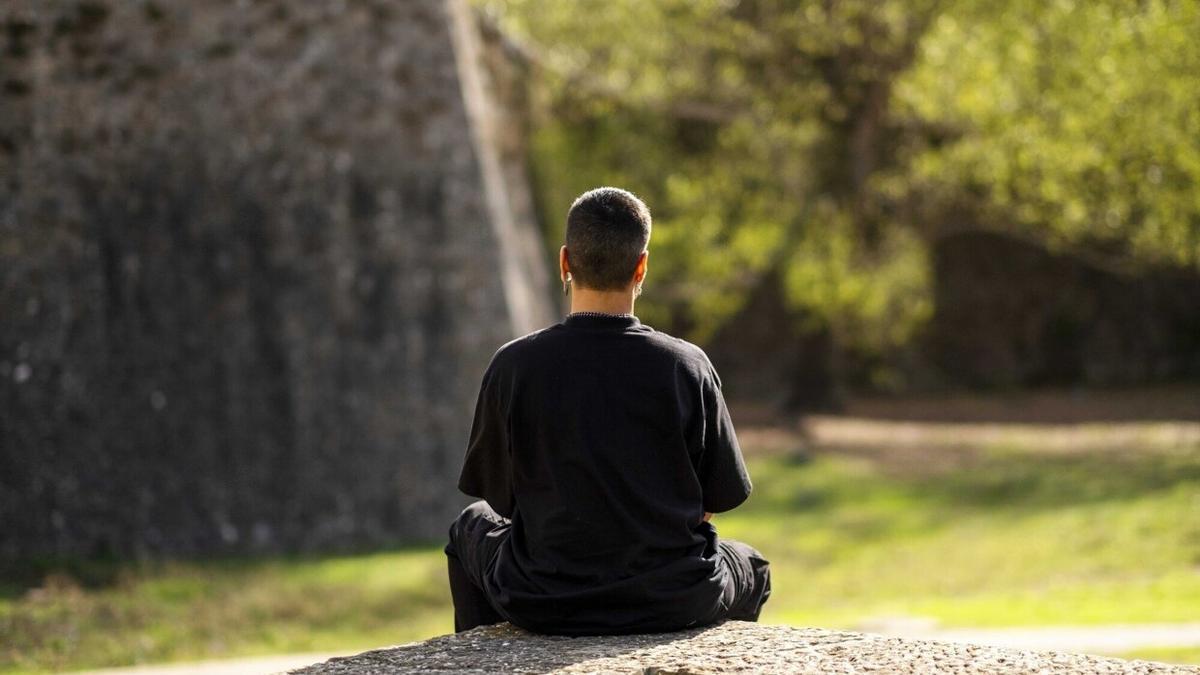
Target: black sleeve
(487, 469)
(723, 475)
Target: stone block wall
(251, 270)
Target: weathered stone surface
(731, 647)
(254, 257)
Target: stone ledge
(731, 647)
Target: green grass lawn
(184, 611)
(1006, 534)
(1016, 540)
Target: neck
(609, 302)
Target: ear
(643, 265)
(564, 267)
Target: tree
(1073, 123)
(831, 140)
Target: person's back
(600, 447)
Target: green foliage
(880, 298)
(733, 121)
(1074, 122)
(831, 141)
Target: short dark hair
(607, 230)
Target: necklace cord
(626, 315)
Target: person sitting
(600, 448)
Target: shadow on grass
(1023, 481)
(833, 484)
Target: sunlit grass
(180, 611)
(1016, 539)
(1006, 534)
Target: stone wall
(251, 270)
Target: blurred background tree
(827, 147)
(1076, 124)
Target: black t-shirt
(604, 441)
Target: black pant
(478, 532)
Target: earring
(566, 284)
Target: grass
(1018, 540)
(203, 610)
(993, 530)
